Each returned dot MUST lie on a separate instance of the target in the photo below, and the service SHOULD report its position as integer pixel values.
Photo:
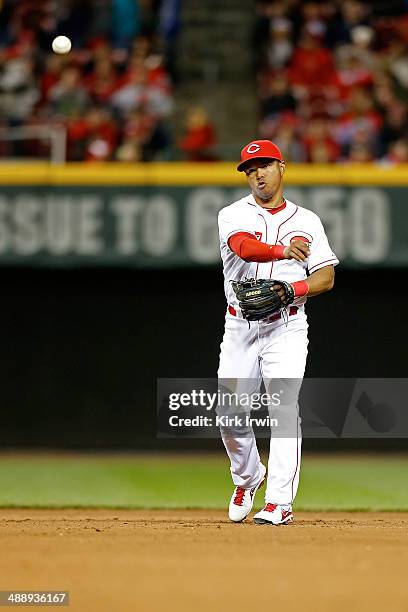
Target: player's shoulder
(239, 206)
(305, 213)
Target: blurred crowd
(333, 79)
(113, 92)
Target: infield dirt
(195, 560)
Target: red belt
(278, 315)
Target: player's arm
(249, 249)
(318, 282)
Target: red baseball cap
(259, 149)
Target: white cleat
(273, 514)
(241, 502)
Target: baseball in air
(61, 45)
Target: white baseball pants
(248, 355)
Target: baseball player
(265, 236)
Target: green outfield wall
(165, 215)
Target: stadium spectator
(319, 142)
(341, 93)
(311, 67)
(18, 89)
(126, 22)
(103, 81)
(68, 97)
(145, 135)
(351, 13)
(129, 151)
(53, 67)
(138, 91)
(169, 24)
(101, 134)
(351, 73)
(398, 152)
(395, 125)
(199, 139)
(332, 78)
(360, 117)
(360, 153)
(279, 97)
(112, 74)
(280, 46)
(289, 138)
(397, 60)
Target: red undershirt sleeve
(249, 248)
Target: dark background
(81, 349)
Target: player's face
(265, 177)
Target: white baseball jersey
(272, 226)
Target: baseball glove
(258, 299)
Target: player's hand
(281, 291)
(298, 250)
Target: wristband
(277, 251)
(301, 288)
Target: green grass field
(328, 482)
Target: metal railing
(56, 134)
